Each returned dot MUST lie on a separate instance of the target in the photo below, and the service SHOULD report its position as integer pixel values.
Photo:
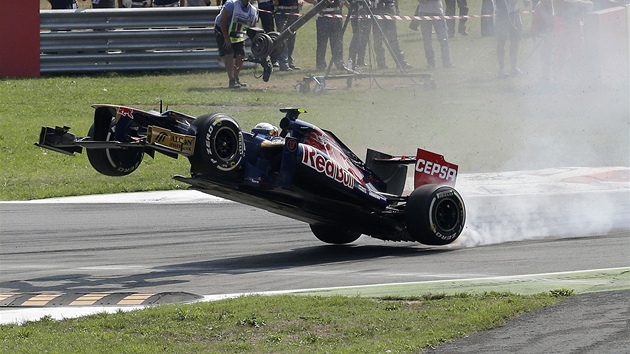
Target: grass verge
(279, 324)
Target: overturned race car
(299, 171)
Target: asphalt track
(557, 220)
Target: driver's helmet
(265, 129)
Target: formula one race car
(299, 171)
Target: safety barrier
(101, 40)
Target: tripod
(373, 26)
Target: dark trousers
(266, 16)
(360, 37)
(450, 11)
(386, 30)
(440, 31)
(329, 30)
(284, 20)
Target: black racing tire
(219, 146)
(113, 162)
(435, 214)
(333, 235)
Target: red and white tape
(397, 17)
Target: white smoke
(572, 121)
(515, 212)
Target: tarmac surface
(591, 322)
(585, 323)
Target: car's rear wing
(429, 168)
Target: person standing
(360, 32)
(434, 8)
(329, 26)
(385, 30)
(287, 12)
(508, 24)
(230, 29)
(198, 3)
(266, 15)
(450, 11)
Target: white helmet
(266, 129)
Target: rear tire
(333, 235)
(113, 162)
(219, 148)
(435, 214)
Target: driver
(266, 130)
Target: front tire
(219, 147)
(435, 214)
(333, 235)
(113, 162)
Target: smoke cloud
(564, 207)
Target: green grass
(278, 324)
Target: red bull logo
(125, 111)
(315, 160)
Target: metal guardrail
(84, 41)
